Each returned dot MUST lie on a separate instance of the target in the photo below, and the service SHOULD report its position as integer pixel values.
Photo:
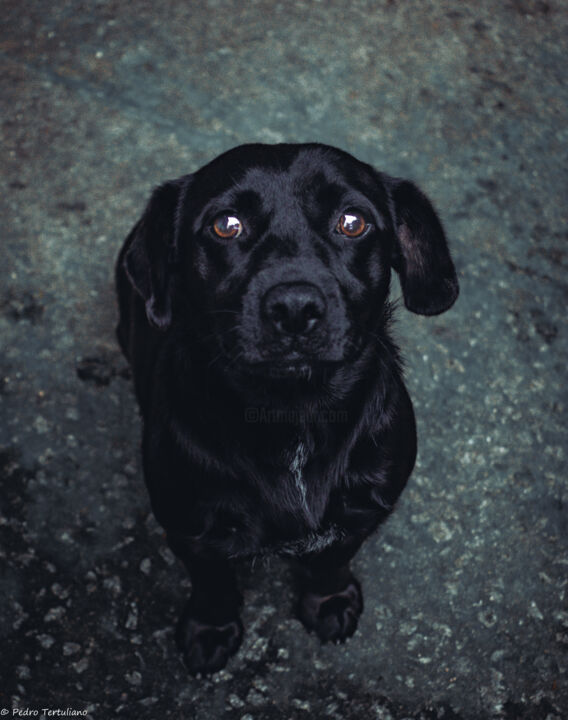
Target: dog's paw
(206, 648)
(333, 617)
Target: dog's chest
(295, 524)
(284, 513)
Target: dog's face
(283, 253)
(288, 258)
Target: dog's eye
(227, 227)
(351, 224)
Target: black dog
(254, 314)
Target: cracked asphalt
(466, 614)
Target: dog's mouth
(298, 370)
(281, 363)
(293, 365)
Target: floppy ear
(421, 255)
(151, 253)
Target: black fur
(275, 416)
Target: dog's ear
(151, 253)
(421, 256)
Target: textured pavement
(466, 586)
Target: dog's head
(279, 257)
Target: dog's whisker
(214, 360)
(219, 333)
(223, 312)
(233, 360)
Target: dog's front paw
(333, 617)
(206, 648)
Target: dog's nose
(293, 308)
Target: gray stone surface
(466, 609)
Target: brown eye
(351, 224)
(227, 226)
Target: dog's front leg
(330, 596)
(209, 630)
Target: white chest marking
(296, 467)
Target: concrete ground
(466, 586)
